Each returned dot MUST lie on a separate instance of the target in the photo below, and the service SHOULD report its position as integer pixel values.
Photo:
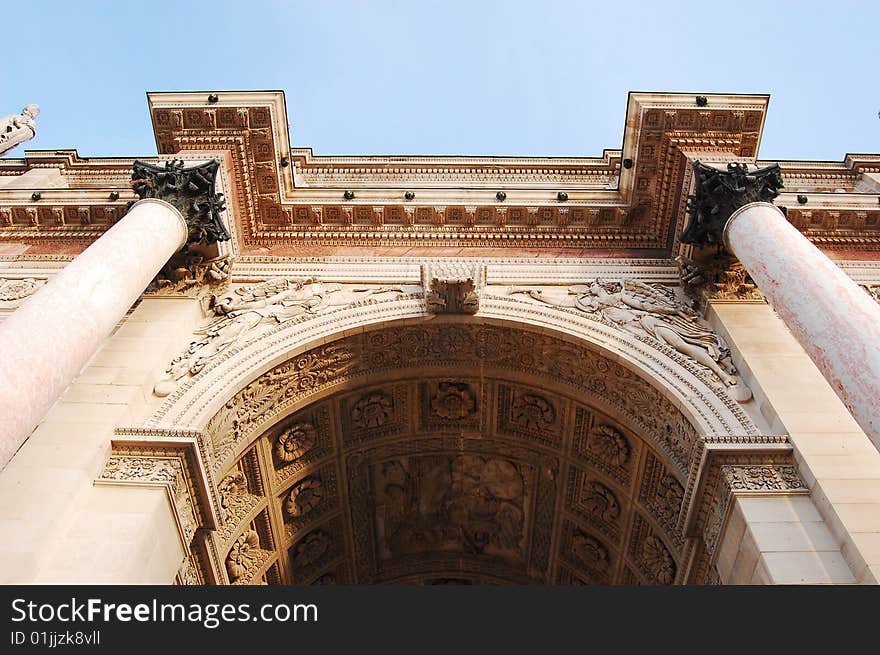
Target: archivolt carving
(431, 345)
(247, 312)
(262, 399)
(647, 311)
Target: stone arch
(639, 389)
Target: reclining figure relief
(647, 311)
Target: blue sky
(540, 78)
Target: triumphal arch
(244, 363)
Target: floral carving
(453, 401)
(17, 289)
(304, 497)
(763, 478)
(296, 441)
(232, 490)
(657, 560)
(609, 445)
(600, 501)
(372, 410)
(311, 549)
(142, 469)
(232, 485)
(533, 412)
(590, 551)
(670, 494)
(243, 555)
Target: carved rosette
(190, 190)
(295, 441)
(243, 556)
(305, 496)
(720, 193)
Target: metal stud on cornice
(348, 195)
(409, 195)
(627, 163)
(500, 196)
(702, 101)
(36, 195)
(213, 98)
(562, 196)
(783, 209)
(285, 162)
(802, 199)
(114, 195)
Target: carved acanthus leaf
(720, 193)
(190, 190)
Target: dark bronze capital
(719, 193)
(190, 190)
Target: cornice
(286, 198)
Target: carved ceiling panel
(446, 476)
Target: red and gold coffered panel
(285, 202)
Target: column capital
(190, 190)
(718, 194)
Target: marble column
(833, 319)
(47, 341)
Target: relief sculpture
(466, 503)
(250, 311)
(647, 311)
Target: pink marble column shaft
(833, 319)
(46, 342)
